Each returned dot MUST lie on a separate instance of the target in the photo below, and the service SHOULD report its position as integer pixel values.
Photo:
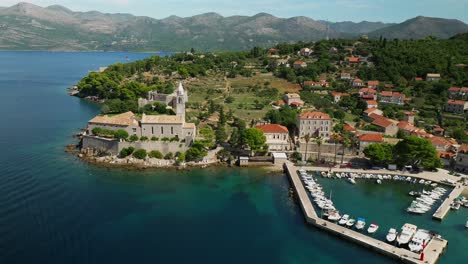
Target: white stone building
(316, 124)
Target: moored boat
(419, 239)
(406, 234)
(372, 228)
(392, 234)
(350, 222)
(361, 223)
(343, 219)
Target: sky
(332, 10)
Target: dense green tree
(125, 152)
(413, 150)
(121, 134)
(254, 138)
(379, 154)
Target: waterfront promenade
(444, 208)
(432, 252)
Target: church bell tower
(181, 99)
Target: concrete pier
(445, 206)
(432, 252)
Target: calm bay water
(56, 209)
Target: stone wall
(325, 148)
(114, 146)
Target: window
(134, 130)
(172, 130)
(162, 130)
(152, 130)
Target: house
(316, 124)
(293, 98)
(367, 139)
(408, 116)
(368, 93)
(357, 83)
(316, 84)
(338, 95)
(389, 97)
(406, 127)
(373, 84)
(277, 137)
(418, 79)
(433, 77)
(442, 143)
(353, 60)
(456, 106)
(387, 126)
(438, 131)
(126, 121)
(458, 93)
(345, 76)
(461, 160)
(372, 104)
(446, 157)
(306, 52)
(349, 128)
(299, 64)
(279, 158)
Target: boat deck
(432, 251)
(444, 208)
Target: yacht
(350, 222)
(407, 232)
(420, 239)
(392, 234)
(372, 228)
(343, 220)
(361, 223)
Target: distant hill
(30, 27)
(421, 27)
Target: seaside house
(433, 77)
(442, 143)
(367, 139)
(461, 160)
(316, 124)
(125, 121)
(277, 137)
(456, 106)
(387, 126)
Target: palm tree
(307, 139)
(346, 143)
(318, 140)
(335, 138)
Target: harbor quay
(444, 208)
(432, 251)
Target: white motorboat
(361, 223)
(350, 222)
(351, 180)
(418, 241)
(379, 181)
(392, 234)
(334, 216)
(406, 234)
(421, 182)
(466, 224)
(372, 228)
(343, 220)
(408, 179)
(454, 206)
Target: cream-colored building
(315, 124)
(126, 121)
(277, 137)
(292, 98)
(461, 160)
(456, 106)
(169, 126)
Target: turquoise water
(57, 209)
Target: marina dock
(445, 206)
(432, 252)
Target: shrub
(155, 154)
(143, 138)
(154, 139)
(169, 156)
(125, 152)
(140, 154)
(133, 138)
(174, 139)
(165, 139)
(121, 134)
(102, 132)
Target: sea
(57, 209)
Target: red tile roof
(339, 94)
(380, 121)
(454, 89)
(386, 93)
(405, 125)
(367, 96)
(371, 102)
(357, 80)
(273, 128)
(349, 128)
(374, 83)
(297, 103)
(298, 62)
(353, 59)
(367, 90)
(463, 149)
(314, 115)
(418, 79)
(456, 102)
(370, 110)
(372, 137)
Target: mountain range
(26, 26)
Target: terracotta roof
(314, 115)
(370, 110)
(349, 128)
(373, 83)
(409, 113)
(439, 141)
(298, 62)
(405, 125)
(273, 128)
(161, 119)
(297, 103)
(357, 80)
(281, 102)
(353, 59)
(464, 89)
(380, 121)
(386, 93)
(292, 95)
(371, 137)
(371, 102)
(367, 90)
(454, 89)
(339, 94)
(446, 154)
(367, 96)
(125, 119)
(189, 125)
(456, 102)
(389, 85)
(418, 79)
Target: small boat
(350, 222)
(421, 182)
(334, 216)
(392, 234)
(361, 223)
(343, 220)
(379, 181)
(406, 234)
(351, 180)
(419, 239)
(466, 224)
(455, 206)
(434, 184)
(414, 193)
(372, 228)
